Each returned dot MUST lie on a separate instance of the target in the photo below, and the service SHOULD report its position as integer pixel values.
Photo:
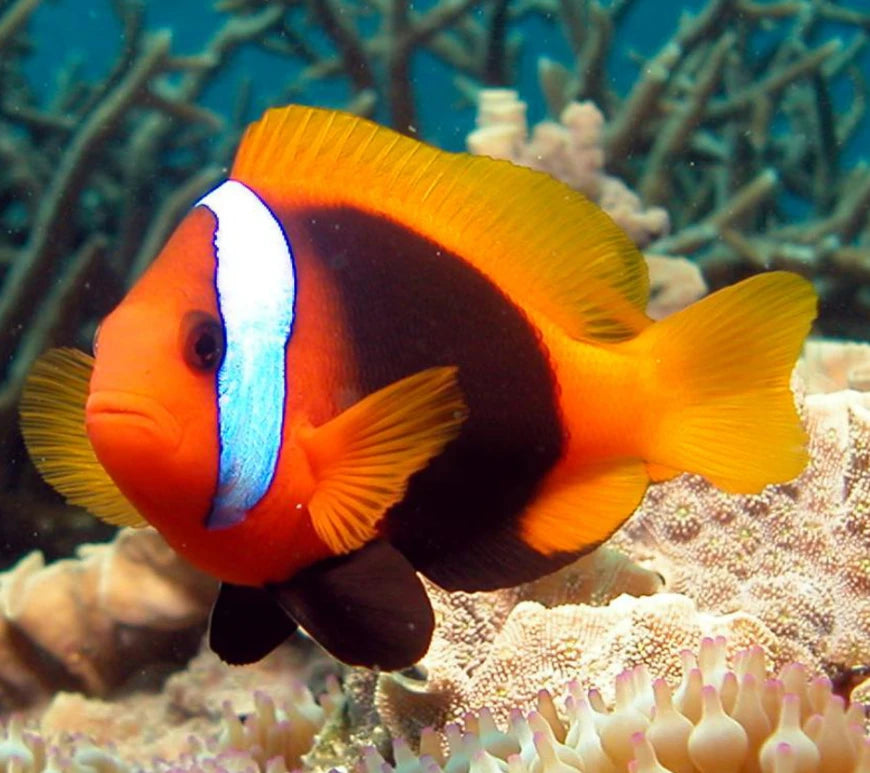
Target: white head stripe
(256, 291)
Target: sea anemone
(720, 717)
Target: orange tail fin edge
(723, 405)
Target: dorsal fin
(546, 246)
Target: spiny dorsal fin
(52, 413)
(362, 459)
(548, 247)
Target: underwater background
(713, 633)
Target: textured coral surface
(92, 622)
(796, 555)
(208, 717)
(571, 150)
(542, 648)
(714, 716)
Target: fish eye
(202, 341)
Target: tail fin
(722, 388)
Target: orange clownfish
(360, 358)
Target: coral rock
(712, 714)
(795, 555)
(205, 715)
(539, 648)
(91, 622)
(830, 366)
(675, 283)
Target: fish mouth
(135, 411)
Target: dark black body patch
(246, 624)
(367, 607)
(409, 304)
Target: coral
(539, 648)
(829, 366)
(210, 717)
(716, 717)
(94, 621)
(467, 628)
(674, 284)
(795, 555)
(571, 151)
(728, 135)
(468, 623)
(27, 751)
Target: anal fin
(246, 624)
(366, 608)
(578, 509)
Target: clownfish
(361, 358)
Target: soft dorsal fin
(546, 246)
(362, 459)
(52, 412)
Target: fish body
(360, 358)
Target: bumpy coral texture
(796, 555)
(208, 718)
(93, 621)
(571, 151)
(541, 648)
(830, 366)
(716, 717)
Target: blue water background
(445, 118)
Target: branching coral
(715, 718)
(80, 178)
(91, 622)
(718, 126)
(795, 555)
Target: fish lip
(144, 412)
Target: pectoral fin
(52, 412)
(367, 608)
(246, 624)
(362, 459)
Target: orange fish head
(151, 413)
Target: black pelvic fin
(246, 624)
(366, 608)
